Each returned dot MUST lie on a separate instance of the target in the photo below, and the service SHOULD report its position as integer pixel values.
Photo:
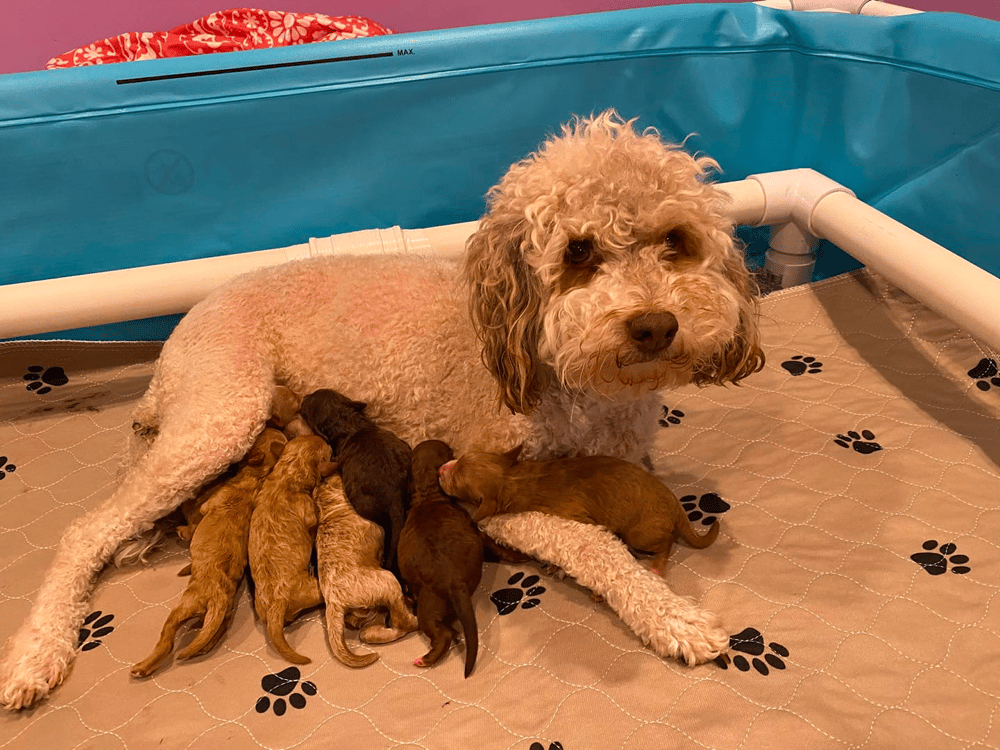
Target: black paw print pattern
(985, 374)
(507, 600)
(863, 442)
(6, 468)
(41, 380)
(95, 627)
(540, 746)
(802, 365)
(706, 508)
(670, 416)
(750, 641)
(281, 684)
(935, 560)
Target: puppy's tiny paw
(553, 570)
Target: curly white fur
(600, 227)
(670, 625)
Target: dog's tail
(461, 601)
(275, 624)
(685, 531)
(335, 635)
(216, 623)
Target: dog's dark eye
(676, 246)
(579, 252)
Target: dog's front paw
(31, 666)
(695, 637)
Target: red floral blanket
(225, 31)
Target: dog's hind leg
(191, 606)
(432, 610)
(388, 593)
(199, 441)
(218, 617)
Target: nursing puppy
(624, 498)
(282, 530)
(348, 553)
(440, 558)
(373, 462)
(218, 555)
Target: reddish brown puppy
(440, 557)
(609, 492)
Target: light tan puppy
(282, 530)
(218, 555)
(611, 492)
(349, 554)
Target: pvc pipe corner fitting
(793, 194)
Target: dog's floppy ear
(487, 507)
(513, 453)
(742, 355)
(505, 303)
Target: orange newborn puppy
(282, 530)
(218, 555)
(611, 492)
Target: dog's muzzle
(652, 332)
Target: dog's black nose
(652, 332)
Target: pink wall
(35, 30)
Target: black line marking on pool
(249, 68)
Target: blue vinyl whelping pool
(124, 165)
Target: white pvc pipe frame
(948, 284)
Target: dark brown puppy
(440, 558)
(611, 492)
(373, 462)
(218, 555)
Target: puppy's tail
(275, 624)
(685, 531)
(335, 635)
(461, 601)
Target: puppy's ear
(742, 355)
(277, 448)
(505, 304)
(513, 453)
(284, 406)
(487, 507)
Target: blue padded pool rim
(131, 164)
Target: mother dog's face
(606, 263)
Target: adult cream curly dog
(604, 270)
